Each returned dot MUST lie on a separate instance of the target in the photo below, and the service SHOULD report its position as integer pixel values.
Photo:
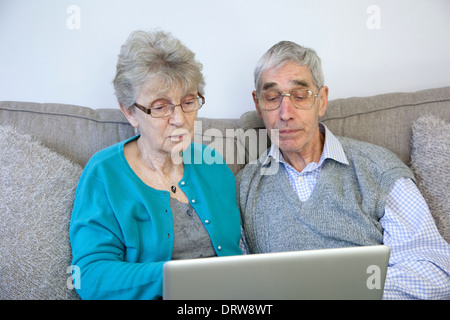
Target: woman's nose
(178, 117)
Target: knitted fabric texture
(343, 210)
(36, 198)
(430, 154)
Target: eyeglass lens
(300, 98)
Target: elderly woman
(144, 201)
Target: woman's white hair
(155, 55)
(287, 51)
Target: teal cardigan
(121, 230)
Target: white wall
(65, 50)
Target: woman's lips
(179, 135)
(177, 138)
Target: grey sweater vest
(343, 210)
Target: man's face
(298, 129)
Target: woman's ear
(130, 115)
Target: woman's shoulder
(110, 156)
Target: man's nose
(286, 107)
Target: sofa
(44, 147)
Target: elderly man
(328, 191)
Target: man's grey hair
(155, 55)
(288, 51)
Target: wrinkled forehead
(285, 76)
(161, 87)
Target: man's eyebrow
(299, 83)
(269, 85)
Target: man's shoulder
(370, 158)
(357, 150)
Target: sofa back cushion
(74, 132)
(78, 132)
(384, 119)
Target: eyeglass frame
(310, 93)
(148, 110)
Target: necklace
(173, 188)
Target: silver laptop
(344, 273)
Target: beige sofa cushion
(384, 119)
(222, 135)
(78, 132)
(37, 192)
(430, 154)
(73, 131)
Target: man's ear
(255, 100)
(324, 101)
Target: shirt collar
(332, 149)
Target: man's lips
(288, 132)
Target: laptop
(356, 273)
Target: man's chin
(289, 146)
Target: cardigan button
(219, 248)
(193, 201)
(207, 221)
(182, 183)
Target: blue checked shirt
(419, 265)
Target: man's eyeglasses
(300, 98)
(161, 109)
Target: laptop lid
(343, 273)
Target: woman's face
(168, 135)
